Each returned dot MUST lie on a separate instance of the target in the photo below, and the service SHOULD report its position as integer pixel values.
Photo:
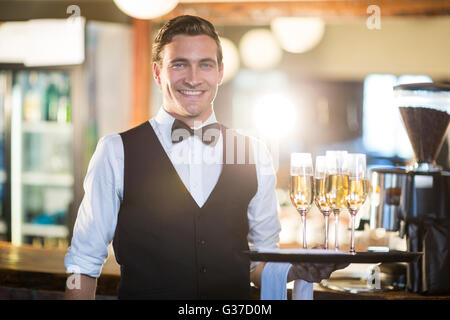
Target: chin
(194, 111)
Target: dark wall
(99, 10)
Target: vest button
(202, 242)
(203, 270)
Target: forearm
(80, 287)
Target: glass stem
(304, 229)
(336, 229)
(352, 235)
(326, 231)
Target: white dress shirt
(195, 164)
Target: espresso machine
(423, 192)
(415, 200)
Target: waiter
(172, 195)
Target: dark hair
(187, 25)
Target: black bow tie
(209, 134)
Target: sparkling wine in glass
(357, 191)
(320, 199)
(301, 187)
(336, 186)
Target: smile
(191, 92)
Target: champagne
(357, 194)
(302, 192)
(320, 196)
(336, 187)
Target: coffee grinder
(425, 199)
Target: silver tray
(331, 256)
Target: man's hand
(313, 272)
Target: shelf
(47, 127)
(42, 230)
(47, 179)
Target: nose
(192, 78)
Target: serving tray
(330, 256)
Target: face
(189, 76)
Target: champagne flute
(301, 189)
(358, 189)
(336, 186)
(320, 171)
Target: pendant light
(146, 9)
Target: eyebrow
(186, 60)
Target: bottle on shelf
(32, 109)
(64, 108)
(52, 102)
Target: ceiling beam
(261, 12)
(228, 12)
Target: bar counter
(27, 272)
(31, 273)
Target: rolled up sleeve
(97, 215)
(264, 224)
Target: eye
(207, 65)
(178, 65)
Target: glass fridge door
(41, 158)
(3, 170)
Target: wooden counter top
(28, 258)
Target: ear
(221, 73)
(157, 73)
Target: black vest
(168, 247)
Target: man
(178, 211)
